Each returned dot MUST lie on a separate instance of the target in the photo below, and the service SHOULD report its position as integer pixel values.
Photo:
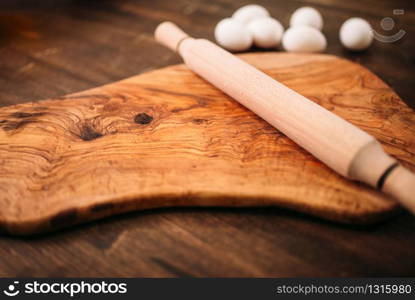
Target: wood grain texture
(167, 138)
(95, 42)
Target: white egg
(303, 39)
(307, 16)
(233, 35)
(250, 12)
(356, 34)
(266, 32)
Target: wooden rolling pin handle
(169, 35)
(345, 148)
(376, 168)
(400, 183)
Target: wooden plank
(168, 138)
(291, 244)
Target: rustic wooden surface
(52, 48)
(169, 138)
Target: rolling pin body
(343, 147)
(302, 120)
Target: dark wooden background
(49, 48)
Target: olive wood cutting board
(168, 138)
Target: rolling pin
(342, 146)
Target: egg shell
(250, 12)
(266, 32)
(304, 39)
(307, 16)
(233, 35)
(356, 34)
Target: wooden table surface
(50, 48)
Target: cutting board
(168, 138)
